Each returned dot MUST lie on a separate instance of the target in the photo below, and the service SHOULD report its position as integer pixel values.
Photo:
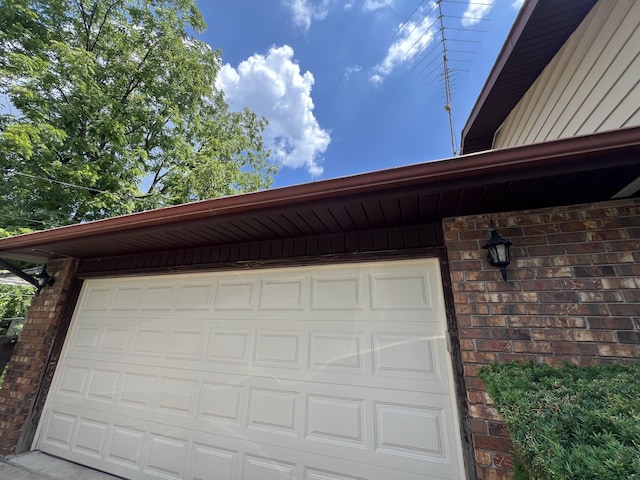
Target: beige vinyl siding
(591, 85)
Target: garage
(310, 372)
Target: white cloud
(412, 39)
(349, 71)
(306, 11)
(517, 4)
(376, 4)
(272, 86)
(474, 13)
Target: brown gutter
(535, 158)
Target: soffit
(562, 172)
(541, 29)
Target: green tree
(118, 97)
(14, 300)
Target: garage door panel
(318, 373)
(190, 346)
(339, 288)
(128, 443)
(315, 418)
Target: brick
(471, 371)
(457, 276)
(565, 322)
(483, 457)
(628, 270)
(618, 350)
(589, 247)
(527, 322)
(518, 334)
(493, 346)
(540, 229)
(451, 236)
(578, 238)
(502, 460)
(630, 296)
(492, 443)
(483, 275)
(545, 250)
(595, 271)
(556, 360)
(558, 297)
(489, 473)
(620, 283)
(508, 309)
(629, 309)
(475, 333)
(473, 383)
(532, 240)
(533, 262)
(516, 357)
(478, 357)
(572, 348)
(469, 287)
(474, 235)
(571, 260)
(551, 335)
(540, 285)
(502, 286)
(466, 344)
(478, 426)
(608, 258)
(629, 337)
(475, 398)
(579, 226)
(485, 298)
(462, 309)
(464, 245)
(606, 235)
(520, 297)
(623, 246)
(466, 265)
(601, 297)
(559, 272)
(611, 323)
(593, 336)
(497, 429)
(571, 309)
(532, 347)
(489, 321)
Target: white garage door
(314, 373)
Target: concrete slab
(40, 466)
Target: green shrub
(570, 422)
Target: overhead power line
(51, 180)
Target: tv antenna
(430, 31)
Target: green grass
(570, 422)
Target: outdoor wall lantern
(43, 279)
(498, 251)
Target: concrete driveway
(39, 466)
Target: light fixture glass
(498, 254)
(43, 279)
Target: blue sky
(351, 86)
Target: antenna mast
(447, 78)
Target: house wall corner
(572, 294)
(26, 370)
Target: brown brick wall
(573, 294)
(31, 353)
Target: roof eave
(531, 160)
